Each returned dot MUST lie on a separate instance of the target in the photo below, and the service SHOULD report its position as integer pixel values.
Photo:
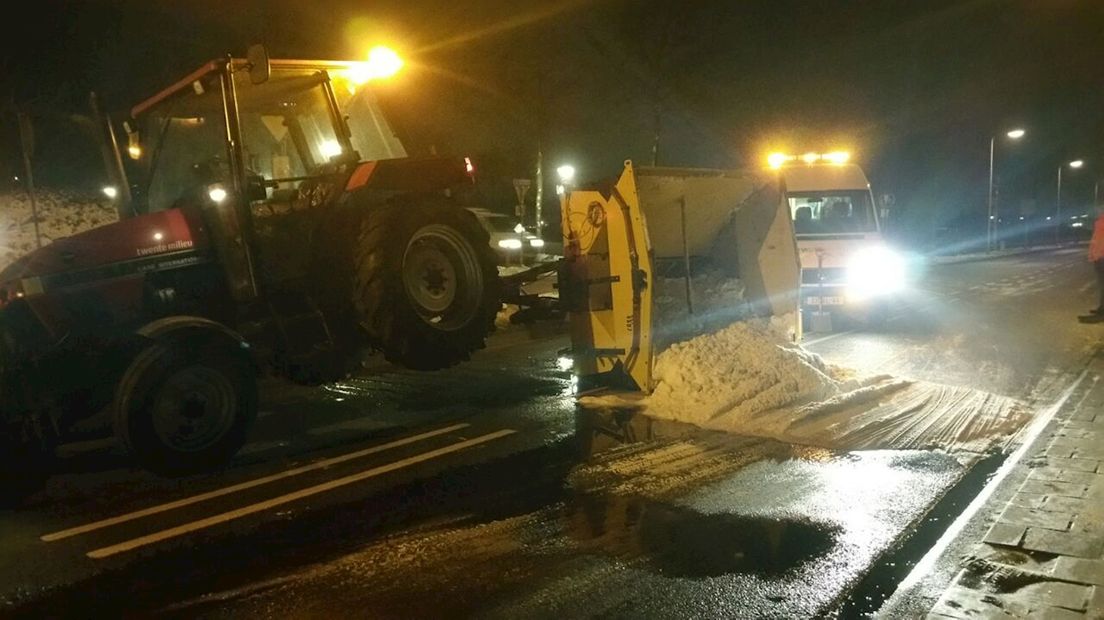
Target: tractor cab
(219, 133)
(230, 146)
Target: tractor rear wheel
(181, 409)
(425, 283)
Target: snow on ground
(60, 214)
(749, 379)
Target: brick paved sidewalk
(1044, 555)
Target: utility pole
(1058, 207)
(540, 189)
(991, 221)
(26, 140)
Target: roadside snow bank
(60, 214)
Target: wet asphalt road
(480, 490)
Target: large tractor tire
(183, 409)
(425, 283)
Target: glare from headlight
(216, 193)
(537, 243)
(874, 272)
(510, 244)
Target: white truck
(848, 273)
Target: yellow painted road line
(289, 497)
(249, 484)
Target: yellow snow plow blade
(615, 238)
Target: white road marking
(289, 497)
(926, 563)
(249, 484)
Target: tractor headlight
(510, 244)
(873, 272)
(216, 193)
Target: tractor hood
(108, 251)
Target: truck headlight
(510, 244)
(873, 272)
(536, 243)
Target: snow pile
(60, 214)
(743, 370)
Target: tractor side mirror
(259, 68)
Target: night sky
(914, 88)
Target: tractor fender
(194, 329)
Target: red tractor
(275, 225)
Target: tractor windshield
(291, 133)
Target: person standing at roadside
(1096, 256)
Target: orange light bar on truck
(777, 160)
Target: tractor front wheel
(183, 409)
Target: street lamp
(992, 224)
(1075, 164)
(566, 173)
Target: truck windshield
(827, 213)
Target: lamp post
(566, 173)
(1075, 164)
(992, 228)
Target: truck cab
(847, 270)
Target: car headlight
(510, 244)
(873, 272)
(536, 243)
